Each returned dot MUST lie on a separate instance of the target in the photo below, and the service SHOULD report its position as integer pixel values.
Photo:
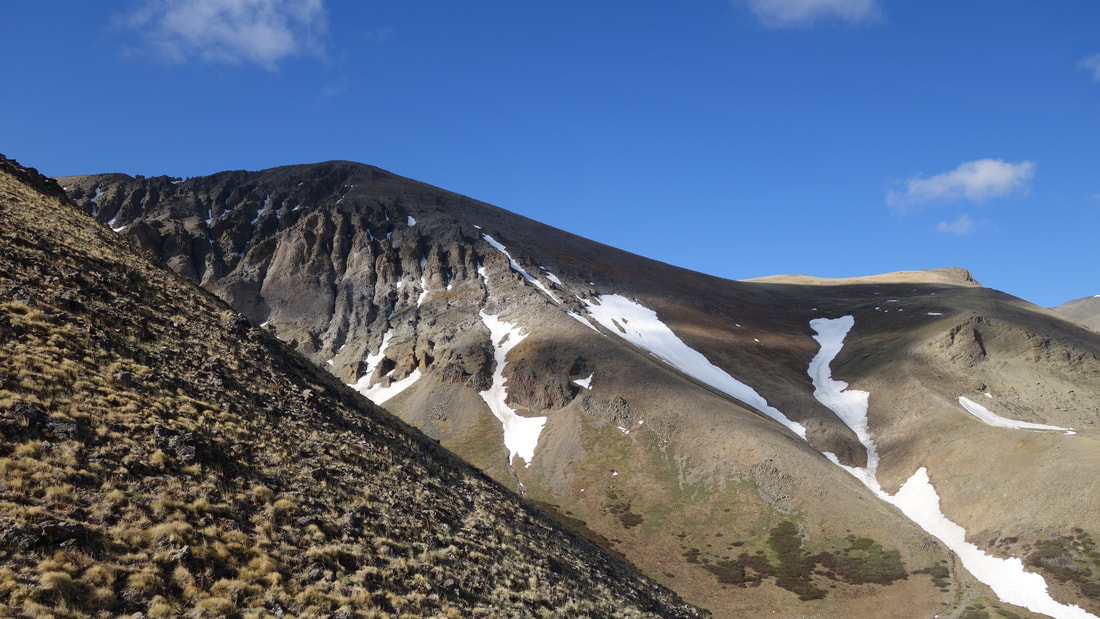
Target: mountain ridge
(395, 286)
(163, 455)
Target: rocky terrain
(1085, 311)
(162, 456)
(674, 417)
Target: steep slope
(1085, 311)
(636, 399)
(163, 456)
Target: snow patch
(935, 313)
(517, 268)
(379, 394)
(521, 434)
(423, 282)
(412, 221)
(113, 221)
(372, 363)
(644, 330)
(849, 405)
(550, 276)
(423, 290)
(917, 498)
(585, 382)
(997, 421)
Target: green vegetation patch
(1071, 558)
(796, 570)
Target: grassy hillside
(162, 455)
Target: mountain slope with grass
(162, 455)
(724, 436)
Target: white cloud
(976, 181)
(961, 226)
(1092, 63)
(259, 32)
(789, 13)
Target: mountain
(1085, 311)
(877, 446)
(162, 456)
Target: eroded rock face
(326, 265)
(963, 344)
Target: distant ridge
(949, 275)
(1085, 311)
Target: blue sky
(740, 138)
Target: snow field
(917, 498)
(848, 404)
(640, 326)
(521, 434)
(997, 421)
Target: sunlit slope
(1085, 311)
(163, 456)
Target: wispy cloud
(961, 226)
(1092, 63)
(261, 32)
(794, 13)
(336, 87)
(976, 181)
